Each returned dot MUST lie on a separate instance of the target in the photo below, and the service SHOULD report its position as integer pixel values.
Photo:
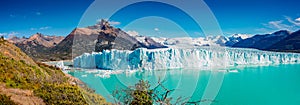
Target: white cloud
(278, 25)
(111, 22)
(156, 29)
(12, 34)
(9, 34)
(114, 23)
(298, 19)
(295, 22)
(3, 34)
(133, 33)
(41, 28)
(288, 23)
(45, 28)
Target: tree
(141, 94)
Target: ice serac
(170, 58)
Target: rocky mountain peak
(36, 36)
(104, 24)
(101, 25)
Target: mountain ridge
(262, 42)
(96, 38)
(289, 44)
(37, 39)
(103, 36)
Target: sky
(60, 17)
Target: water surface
(255, 85)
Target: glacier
(178, 58)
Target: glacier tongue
(171, 58)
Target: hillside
(262, 42)
(280, 41)
(22, 81)
(289, 44)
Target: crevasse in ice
(172, 58)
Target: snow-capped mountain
(236, 38)
(185, 42)
(201, 41)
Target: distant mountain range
(290, 44)
(38, 39)
(201, 41)
(37, 46)
(281, 41)
(96, 38)
(262, 42)
(102, 36)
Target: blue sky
(60, 17)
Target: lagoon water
(253, 85)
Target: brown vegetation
(25, 82)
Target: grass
(5, 100)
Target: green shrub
(60, 94)
(5, 100)
(140, 94)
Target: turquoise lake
(253, 85)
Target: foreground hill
(22, 81)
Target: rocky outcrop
(114, 38)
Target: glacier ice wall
(171, 58)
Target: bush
(60, 94)
(5, 100)
(142, 94)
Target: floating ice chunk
(85, 75)
(233, 71)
